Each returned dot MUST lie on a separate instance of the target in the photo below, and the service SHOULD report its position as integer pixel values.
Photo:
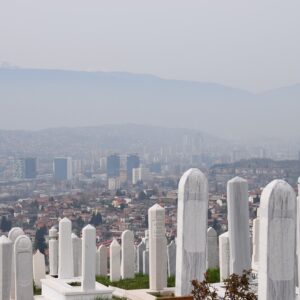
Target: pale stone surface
(53, 252)
(255, 243)
(277, 251)
(65, 254)
(77, 254)
(224, 254)
(23, 268)
(13, 234)
(115, 261)
(139, 251)
(39, 268)
(127, 263)
(88, 258)
(298, 235)
(238, 225)
(171, 253)
(146, 262)
(157, 248)
(212, 249)
(103, 256)
(191, 230)
(6, 250)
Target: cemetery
(156, 269)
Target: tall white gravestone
(146, 254)
(65, 256)
(39, 268)
(13, 234)
(88, 258)
(157, 248)
(191, 230)
(77, 254)
(171, 252)
(127, 263)
(224, 256)
(298, 234)
(53, 252)
(277, 251)
(238, 225)
(255, 243)
(6, 250)
(115, 261)
(23, 268)
(103, 256)
(139, 256)
(212, 249)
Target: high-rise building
(25, 168)
(113, 165)
(62, 168)
(133, 162)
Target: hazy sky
(252, 44)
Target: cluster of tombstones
(275, 240)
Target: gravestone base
(60, 289)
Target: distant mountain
(35, 99)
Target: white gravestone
(255, 243)
(127, 263)
(88, 258)
(146, 262)
(39, 268)
(77, 254)
(191, 230)
(171, 252)
(238, 225)
(212, 249)
(139, 251)
(224, 256)
(53, 252)
(115, 261)
(102, 256)
(157, 248)
(277, 251)
(298, 235)
(65, 255)
(23, 268)
(13, 234)
(6, 250)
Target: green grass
(213, 275)
(139, 282)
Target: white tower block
(224, 255)
(238, 225)
(277, 251)
(13, 234)
(23, 268)
(77, 255)
(65, 266)
(127, 263)
(191, 230)
(6, 250)
(115, 261)
(88, 258)
(157, 248)
(212, 249)
(53, 252)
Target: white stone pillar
(171, 253)
(102, 256)
(23, 268)
(212, 249)
(146, 262)
(115, 261)
(157, 248)
(77, 254)
(6, 250)
(127, 263)
(238, 225)
(139, 251)
(53, 252)
(88, 258)
(13, 234)
(277, 251)
(224, 256)
(298, 236)
(39, 268)
(191, 230)
(65, 256)
(255, 243)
